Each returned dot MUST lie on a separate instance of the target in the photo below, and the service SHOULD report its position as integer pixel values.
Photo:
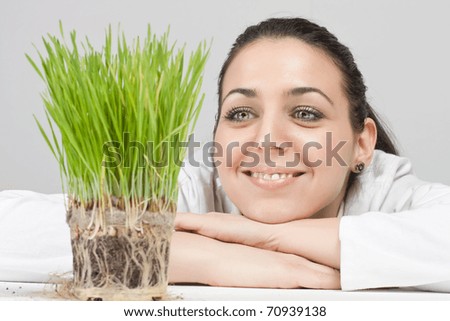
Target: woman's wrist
(314, 239)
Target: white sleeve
(34, 237)
(195, 193)
(407, 248)
(200, 190)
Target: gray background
(402, 48)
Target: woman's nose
(271, 133)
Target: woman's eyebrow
(297, 91)
(250, 93)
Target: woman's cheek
(310, 147)
(327, 149)
(233, 146)
(220, 142)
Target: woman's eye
(239, 114)
(307, 113)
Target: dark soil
(128, 259)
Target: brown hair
(321, 38)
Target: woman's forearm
(314, 239)
(198, 259)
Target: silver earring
(359, 167)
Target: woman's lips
(273, 179)
(272, 176)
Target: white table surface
(40, 291)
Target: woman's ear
(365, 144)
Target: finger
(221, 226)
(212, 225)
(199, 222)
(189, 221)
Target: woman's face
(285, 132)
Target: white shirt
(394, 228)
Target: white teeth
(271, 177)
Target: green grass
(148, 89)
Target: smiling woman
(323, 200)
(280, 71)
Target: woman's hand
(198, 259)
(229, 228)
(314, 239)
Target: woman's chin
(274, 214)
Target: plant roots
(119, 262)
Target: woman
(324, 201)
